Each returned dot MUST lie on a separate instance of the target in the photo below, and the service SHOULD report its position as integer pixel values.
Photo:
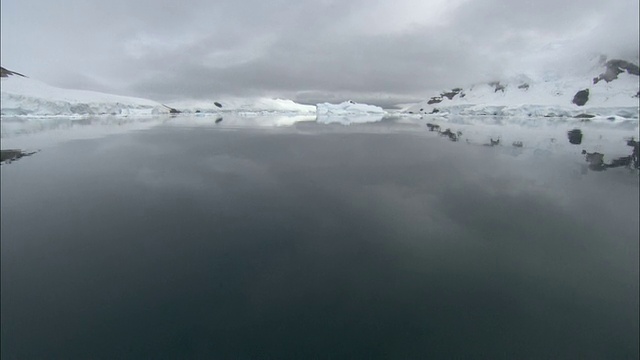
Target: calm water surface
(314, 242)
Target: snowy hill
(609, 89)
(24, 96)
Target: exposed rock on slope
(581, 97)
(547, 94)
(6, 73)
(614, 68)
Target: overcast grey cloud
(373, 51)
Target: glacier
(22, 96)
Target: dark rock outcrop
(433, 127)
(595, 160)
(497, 86)
(581, 97)
(9, 155)
(217, 104)
(435, 100)
(6, 73)
(615, 67)
(575, 136)
(172, 110)
(635, 155)
(524, 86)
(451, 135)
(584, 116)
(450, 94)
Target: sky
(382, 52)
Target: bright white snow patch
(348, 112)
(348, 108)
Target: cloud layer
(383, 51)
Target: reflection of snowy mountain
(24, 96)
(608, 89)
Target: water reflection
(531, 135)
(575, 136)
(9, 155)
(364, 241)
(548, 145)
(597, 163)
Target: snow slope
(22, 96)
(25, 98)
(548, 94)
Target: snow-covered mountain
(21, 95)
(607, 89)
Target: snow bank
(244, 106)
(21, 96)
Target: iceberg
(348, 112)
(348, 108)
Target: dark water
(300, 243)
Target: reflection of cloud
(226, 164)
(169, 179)
(215, 173)
(225, 169)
